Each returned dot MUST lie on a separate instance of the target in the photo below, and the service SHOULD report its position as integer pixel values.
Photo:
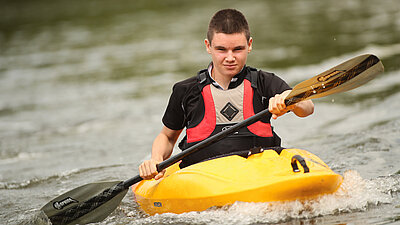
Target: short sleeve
(174, 117)
(272, 84)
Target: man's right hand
(162, 149)
(148, 170)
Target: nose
(230, 57)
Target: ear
(250, 44)
(208, 45)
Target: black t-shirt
(178, 110)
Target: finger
(280, 107)
(276, 107)
(159, 175)
(147, 168)
(281, 103)
(272, 105)
(291, 107)
(143, 173)
(152, 169)
(281, 113)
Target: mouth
(230, 66)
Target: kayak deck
(263, 177)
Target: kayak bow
(293, 174)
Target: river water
(83, 86)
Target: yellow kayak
(293, 174)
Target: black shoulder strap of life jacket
(202, 78)
(197, 88)
(253, 77)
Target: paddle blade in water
(346, 76)
(89, 203)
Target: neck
(223, 81)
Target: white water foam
(355, 195)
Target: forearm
(304, 108)
(163, 144)
(162, 148)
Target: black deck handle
(302, 162)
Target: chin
(233, 72)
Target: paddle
(94, 202)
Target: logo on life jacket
(229, 111)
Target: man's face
(229, 53)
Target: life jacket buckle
(255, 150)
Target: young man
(225, 93)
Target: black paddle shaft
(211, 140)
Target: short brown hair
(228, 21)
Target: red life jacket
(208, 124)
(259, 134)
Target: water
(83, 85)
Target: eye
(239, 48)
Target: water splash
(355, 195)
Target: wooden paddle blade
(346, 76)
(89, 203)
